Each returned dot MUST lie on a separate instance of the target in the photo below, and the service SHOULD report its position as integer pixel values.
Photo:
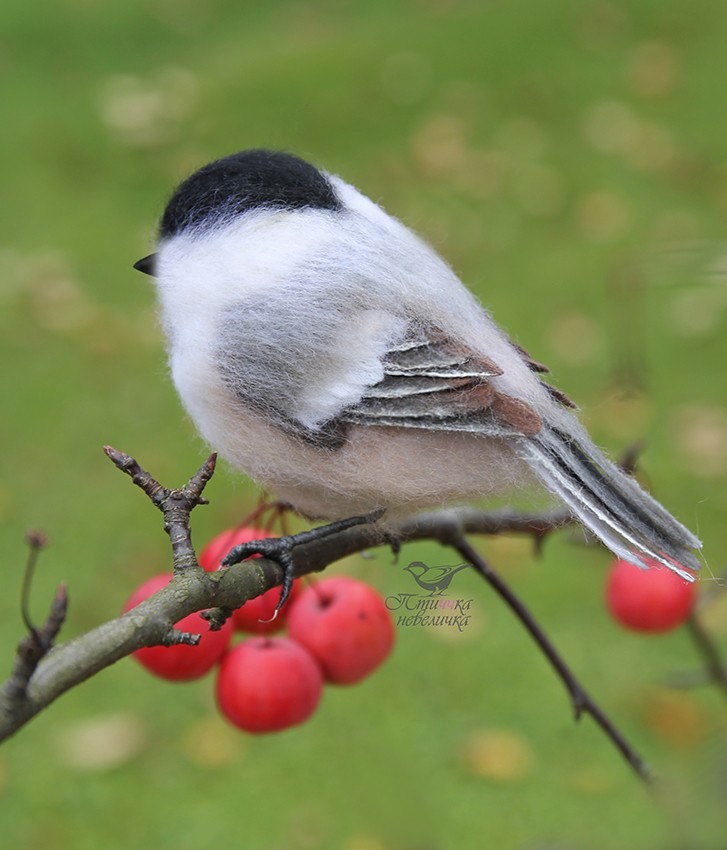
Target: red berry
(219, 546)
(181, 662)
(345, 625)
(266, 684)
(653, 600)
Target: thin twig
(580, 699)
(715, 666)
(630, 457)
(36, 541)
(39, 641)
(175, 504)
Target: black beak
(147, 265)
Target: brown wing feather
(431, 383)
(536, 366)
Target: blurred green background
(568, 158)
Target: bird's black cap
(245, 181)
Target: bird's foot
(280, 549)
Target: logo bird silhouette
(435, 580)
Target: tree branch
(580, 699)
(715, 669)
(191, 589)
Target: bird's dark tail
(609, 503)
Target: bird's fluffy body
(292, 333)
(256, 319)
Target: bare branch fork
(42, 672)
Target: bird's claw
(280, 549)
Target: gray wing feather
(427, 359)
(401, 386)
(428, 384)
(610, 503)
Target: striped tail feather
(609, 503)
